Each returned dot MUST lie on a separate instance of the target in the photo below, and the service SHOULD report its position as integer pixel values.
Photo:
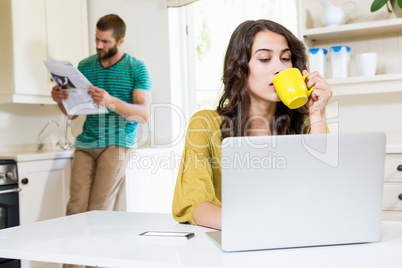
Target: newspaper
(79, 102)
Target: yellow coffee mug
(291, 88)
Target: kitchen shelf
(353, 29)
(30, 99)
(383, 83)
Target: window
(210, 24)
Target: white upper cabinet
(364, 31)
(32, 31)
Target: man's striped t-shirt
(119, 80)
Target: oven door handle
(15, 190)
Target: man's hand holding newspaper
(74, 82)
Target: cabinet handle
(399, 168)
(400, 197)
(24, 181)
(15, 190)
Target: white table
(109, 239)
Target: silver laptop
(301, 190)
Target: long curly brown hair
(235, 101)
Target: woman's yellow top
(199, 177)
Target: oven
(9, 203)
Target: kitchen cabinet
(364, 32)
(45, 191)
(31, 31)
(392, 202)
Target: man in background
(122, 84)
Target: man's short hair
(112, 22)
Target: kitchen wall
(376, 112)
(21, 123)
(147, 39)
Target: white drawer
(388, 215)
(391, 200)
(391, 173)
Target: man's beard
(108, 54)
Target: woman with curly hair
(249, 106)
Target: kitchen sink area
(29, 153)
